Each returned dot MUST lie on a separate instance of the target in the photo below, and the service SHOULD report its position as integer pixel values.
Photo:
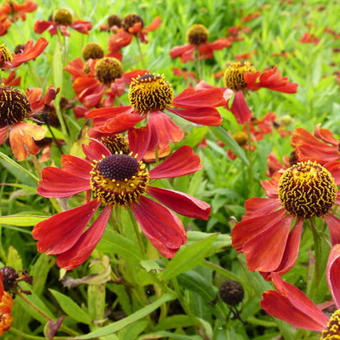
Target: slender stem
(136, 228)
(141, 58)
(317, 257)
(54, 139)
(34, 337)
(37, 165)
(250, 167)
(198, 64)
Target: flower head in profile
(15, 108)
(62, 19)
(289, 304)
(115, 180)
(28, 52)
(131, 26)
(6, 304)
(270, 231)
(150, 96)
(113, 23)
(197, 37)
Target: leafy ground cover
(252, 112)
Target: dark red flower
(198, 41)
(6, 304)
(62, 18)
(308, 38)
(150, 95)
(289, 304)
(115, 179)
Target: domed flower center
(150, 92)
(116, 143)
(5, 54)
(332, 331)
(241, 138)
(62, 17)
(130, 20)
(14, 106)
(307, 189)
(197, 35)
(93, 51)
(234, 75)
(108, 69)
(114, 20)
(119, 179)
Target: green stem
(37, 165)
(34, 337)
(137, 232)
(54, 138)
(250, 166)
(141, 58)
(198, 64)
(317, 257)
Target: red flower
(250, 17)
(117, 179)
(150, 95)
(308, 38)
(322, 147)
(14, 11)
(132, 26)
(30, 51)
(62, 19)
(198, 41)
(11, 80)
(22, 135)
(289, 304)
(265, 235)
(6, 304)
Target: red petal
(333, 273)
(3, 134)
(249, 228)
(279, 306)
(82, 26)
(177, 51)
(83, 248)
(183, 162)
(183, 204)
(41, 26)
(191, 98)
(59, 183)
(30, 52)
(154, 25)
(139, 140)
(333, 224)
(204, 115)
(163, 228)
(60, 232)
(76, 166)
(95, 150)
(128, 76)
(257, 206)
(264, 252)
(271, 186)
(240, 108)
(325, 135)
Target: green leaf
(188, 257)
(117, 326)
(222, 241)
(71, 308)
(176, 321)
(22, 220)
(14, 259)
(223, 135)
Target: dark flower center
(93, 51)
(231, 292)
(14, 106)
(119, 179)
(5, 54)
(197, 35)
(150, 92)
(234, 75)
(19, 49)
(114, 20)
(130, 20)
(241, 138)
(108, 69)
(332, 332)
(62, 17)
(307, 189)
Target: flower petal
(163, 228)
(154, 25)
(60, 232)
(240, 108)
(139, 140)
(81, 26)
(333, 273)
(183, 204)
(333, 224)
(3, 134)
(183, 162)
(325, 135)
(83, 248)
(257, 206)
(177, 51)
(76, 166)
(95, 150)
(59, 183)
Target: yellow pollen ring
(234, 75)
(332, 332)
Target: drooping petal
(271, 186)
(333, 273)
(240, 108)
(264, 252)
(257, 206)
(325, 135)
(83, 248)
(333, 224)
(334, 168)
(3, 134)
(177, 51)
(163, 228)
(59, 183)
(183, 162)
(182, 203)
(139, 140)
(82, 26)
(41, 26)
(95, 150)
(154, 25)
(22, 137)
(60, 232)
(76, 166)
(291, 305)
